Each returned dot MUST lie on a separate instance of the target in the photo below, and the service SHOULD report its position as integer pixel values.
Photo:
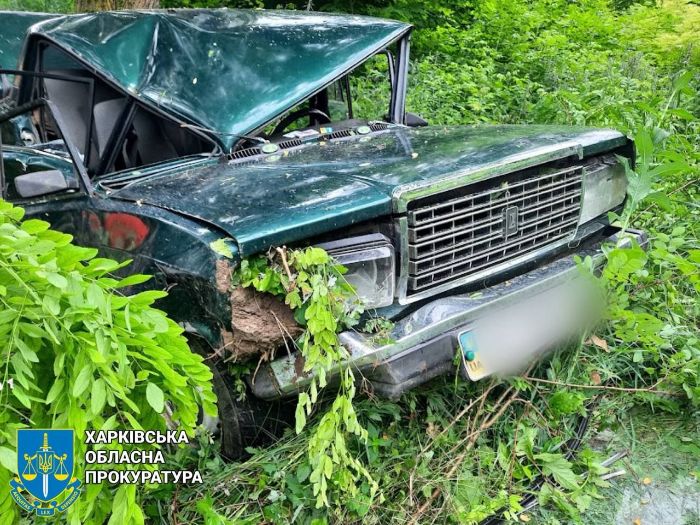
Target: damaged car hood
(323, 186)
(225, 71)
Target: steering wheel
(283, 124)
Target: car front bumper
(424, 343)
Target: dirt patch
(260, 323)
(299, 363)
(223, 275)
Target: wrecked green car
(157, 136)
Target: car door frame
(84, 185)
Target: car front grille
(466, 232)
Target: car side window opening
(149, 139)
(29, 147)
(111, 131)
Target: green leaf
(57, 280)
(300, 418)
(645, 148)
(8, 459)
(222, 247)
(97, 396)
(21, 396)
(147, 297)
(132, 280)
(683, 113)
(34, 226)
(56, 389)
(559, 468)
(96, 296)
(32, 330)
(155, 398)
(27, 353)
(82, 381)
(303, 472)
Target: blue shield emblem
(45, 467)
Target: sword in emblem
(45, 464)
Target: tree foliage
(634, 66)
(82, 355)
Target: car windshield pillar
(398, 92)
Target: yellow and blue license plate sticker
(470, 356)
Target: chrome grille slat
(499, 248)
(415, 281)
(489, 236)
(412, 221)
(417, 232)
(465, 235)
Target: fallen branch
(458, 460)
(651, 389)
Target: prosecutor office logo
(45, 465)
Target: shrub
(83, 355)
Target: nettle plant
(648, 289)
(83, 355)
(312, 285)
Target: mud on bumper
(423, 344)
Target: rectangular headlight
(369, 260)
(604, 188)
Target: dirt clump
(260, 324)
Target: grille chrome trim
(542, 208)
(473, 268)
(476, 242)
(412, 221)
(406, 193)
(453, 242)
(476, 225)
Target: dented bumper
(423, 344)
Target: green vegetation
(83, 355)
(313, 286)
(458, 452)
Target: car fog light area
(604, 188)
(369, 260)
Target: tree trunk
(83, 6)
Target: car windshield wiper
(259, 140)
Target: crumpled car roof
(228, 71)
(13, 30)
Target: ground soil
(260, 324)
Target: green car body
(165, 144)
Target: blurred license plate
(506, 341)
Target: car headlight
(604, 188)
(369, 260)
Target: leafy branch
(84, 355)
(312, 285)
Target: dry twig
(283, 256)
(651, 389)
(458, 460)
